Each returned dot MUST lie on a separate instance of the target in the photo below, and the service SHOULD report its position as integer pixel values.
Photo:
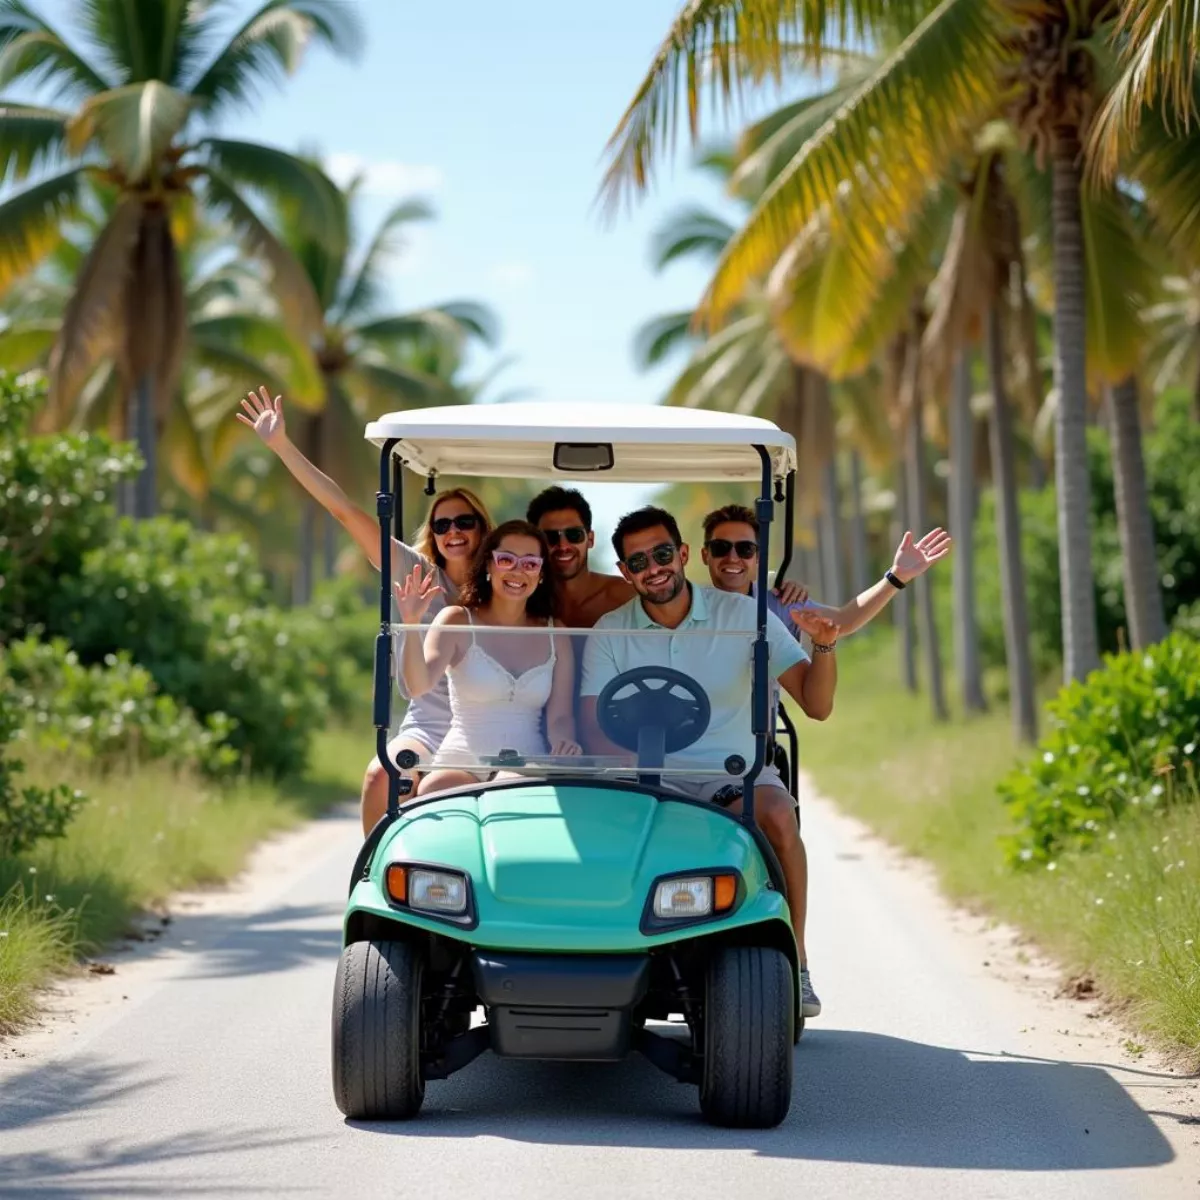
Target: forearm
(593, 739)
(866, 606)
(820, 684)
(330, 497)
(418, 676)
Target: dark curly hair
(477, 590)
(559, 499)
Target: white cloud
(385, 177)
(511, 274)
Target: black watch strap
(894, 580)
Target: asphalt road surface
(943, 1066)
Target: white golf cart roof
(618, 443)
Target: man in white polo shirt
(652, 558)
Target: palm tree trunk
(1143, 593)
(902, 606)
(962, 527)
(860, 567)
(329, 538)
(145, 489)
(1080, 639)
(1008, 540)
(917, 497)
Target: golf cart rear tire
(377, 1032)
(748, 1037)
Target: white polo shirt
(722, 666)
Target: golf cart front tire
(748, 1038)
(377, 1032)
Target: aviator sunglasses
(505, 560)
(720, 548)
(662, 554)
(575, 535)
(464, 522)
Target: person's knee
(375, 777)
(773, 809)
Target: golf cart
(578, 899)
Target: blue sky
(499, 113)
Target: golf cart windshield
(643, 702)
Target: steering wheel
(642, 710)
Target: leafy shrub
(27, 814)
(1172, 450)
(55, 505)
(191, 608)
(109, 714)
(1115, 741)
(1187, 620)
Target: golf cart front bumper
(576, 1007)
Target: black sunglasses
(662, 555)
(575, 535)
(464, 522)
(720, 548)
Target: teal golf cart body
(578, 903)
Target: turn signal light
(396, 882)
(724, 892)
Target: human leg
(444, 779)
(375, 781)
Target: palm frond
(30, 137)
(287, 180)
(32, 50)
(182, 453)
(449, 323)
(258, 337)
(717, 46)
(31, 223)
(871, 164)
(364, 291)
(90, 324)
(1167, 165)
(234, 374)
(384, 386)
(689, 232)
(270, 44)
(1159, 46)
(660, 337)
(26, 344)
(133, 125)
(291, 285)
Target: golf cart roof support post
(760, 682)
(789, 526)
(385, 504)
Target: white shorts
(704, 787)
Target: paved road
(201, 1069)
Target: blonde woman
(445, 546)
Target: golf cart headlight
(681, 898)
(437, 891)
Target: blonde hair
(426, 543)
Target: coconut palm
(142, 100)
(869, 167)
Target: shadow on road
(146, 1163)
(859, 1098)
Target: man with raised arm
(653, 558)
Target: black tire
(377, 1032)
(749, 1009)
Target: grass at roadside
(1126, 915)
(142, 836)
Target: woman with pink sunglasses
(501, 686)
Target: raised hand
(264, 416)
(822, 630)
(792, 593)
(915, 558)
(415, 594)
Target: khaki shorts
(704, 787)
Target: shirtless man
(581, 596)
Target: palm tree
(134, 126)
(869, 167)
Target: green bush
(56, 498)
(1172, 452)
(27, 814)
(1119, 740)
(110, 714)
(191, 608)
